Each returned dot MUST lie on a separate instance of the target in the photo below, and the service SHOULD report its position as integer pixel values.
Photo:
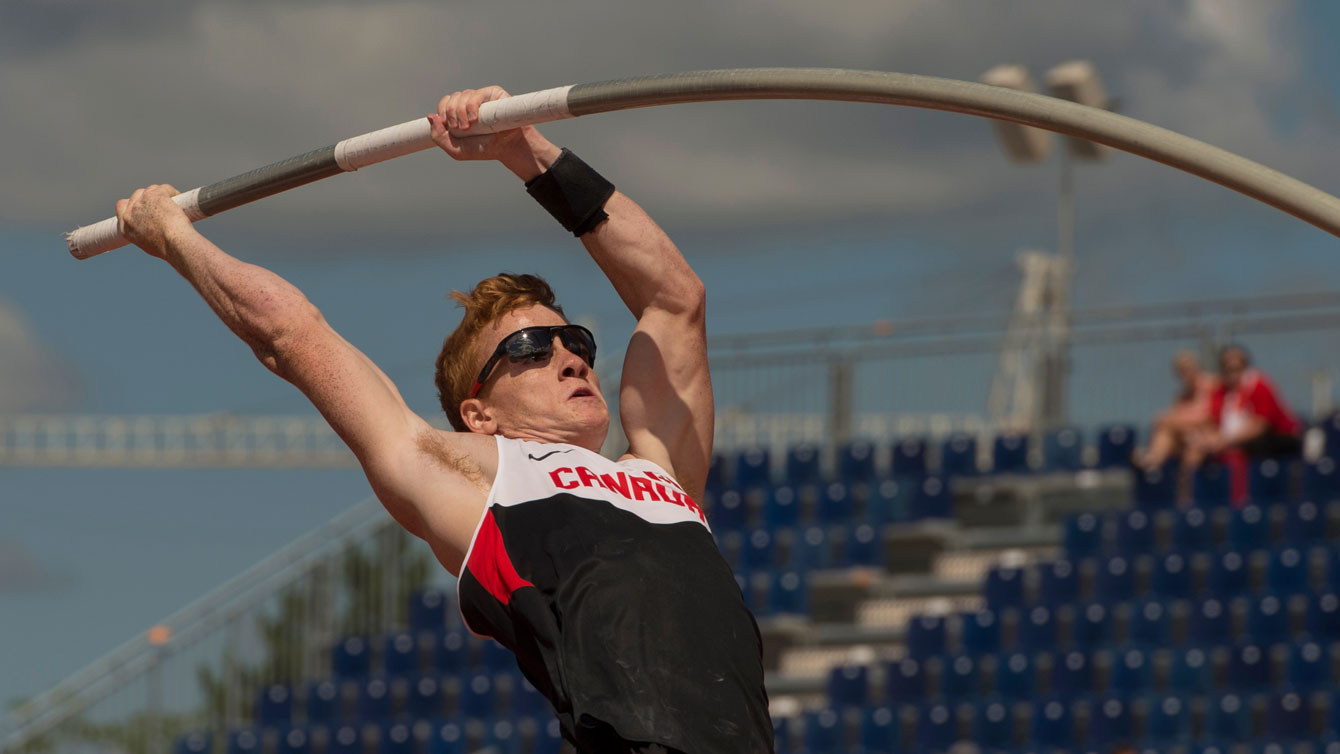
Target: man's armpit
(452, 457)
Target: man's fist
(149, 217)
(460, 111)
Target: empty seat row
(1253, 527)
(807, 549)
(522, 735)
(1248, 668)
(1157, 721)
(1268, 481)
(403, 653)
(956, 455)
(784, 506)
(377, 699)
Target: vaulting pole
(1117, 131)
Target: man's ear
(478, 418)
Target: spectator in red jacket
(1251, 419)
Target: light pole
(1076, 81)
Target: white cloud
(32, 378)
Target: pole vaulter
(1117, 131)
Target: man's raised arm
(665, 399)
(291, 338)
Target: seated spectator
(1186, 422)
(1251, 420)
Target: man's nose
(570, 364)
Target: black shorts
(1273, 445)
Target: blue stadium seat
(1268, 481)
(958, 676)
(351, 658)
(1287, 717)
(1052, 725)
(890, 502)
(527, 701)
(1135, 533)
(1110, 721)
(1155, 489)
(1016, 676)
(958, 455)
(1309, 666)
(1228, 574)
(1249, 668)
(1150, 625)
(980, 633)
(906, 682)
(811, 549)
(1058, 582)
(1072, 674)
(1210, 623)
(753, 468)
(322, 700)
(478, 697)
(1115, 580)
(1167, 719)
(729, 510)
(549, 738)
(1091, 625)
(863, 546)
(1210, 488)
(1037, 629)
(1115, 444)
(1323, 616)
(1330, 427)
(451, 652)
(1268, 620)
(823, 730)
(757, 551)
(931, 499)
(716, 473)
(856, 462)
(345, 739)
(1321, 479)
(1191, 531)
(374, 700)
(849, 686)
(398, 738)
(428, 610)
(503, 737)
(424, 699)
(909, 457)
(1009, 454)
(1191, 671)
(1287, 572)
(1171, 577)
(835, 503)
(926, 635)
(293, 741)
(937, 727)
(1083, 536)
(1228, 718)
(993, 725)
(1304, 524)
(802, 465)
(1248, 529)
(1063, 450)
(244, 741)
(400, 654)
(788, 593)
(274, 705)
(1131, 672)
(194, 742)
(880, 731)
(781, 508)
(1004, 587)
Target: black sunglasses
(535, 343)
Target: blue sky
(795, 214)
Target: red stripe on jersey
(490, 565)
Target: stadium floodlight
(1078, 81)
(1023, 144)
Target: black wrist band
(572, 192)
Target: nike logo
(546, 455)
